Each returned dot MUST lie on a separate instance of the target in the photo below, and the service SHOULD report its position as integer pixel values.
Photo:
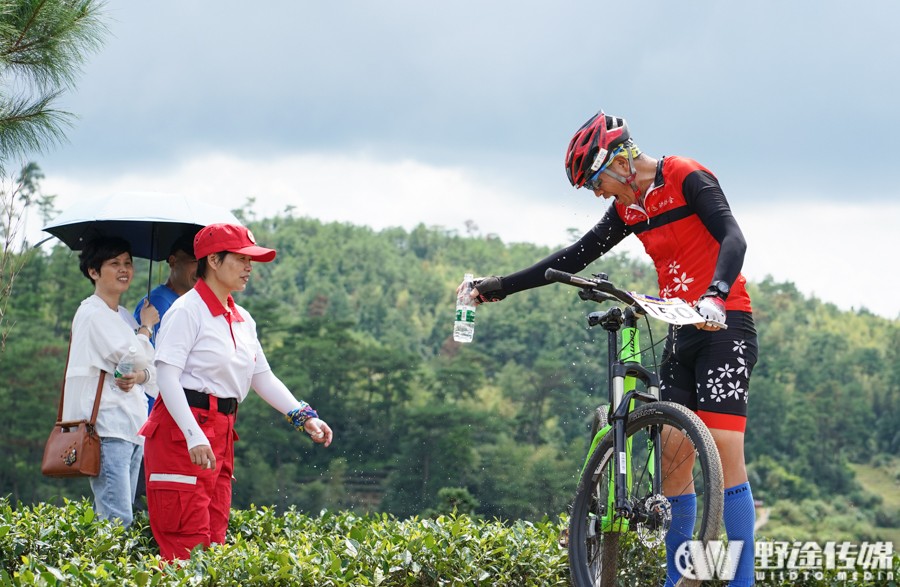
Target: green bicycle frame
(629, 352)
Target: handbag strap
(62, 391)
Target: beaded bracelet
(299, 416)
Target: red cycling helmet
(593, 145)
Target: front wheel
(672, 453)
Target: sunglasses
(593, 182)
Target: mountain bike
(642, 450)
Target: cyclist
(677, 209)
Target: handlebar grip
(557, 275)
(568, 278)
(601, 286)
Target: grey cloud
(761, 92)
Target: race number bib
(672, 310)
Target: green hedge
(50, 545)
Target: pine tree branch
(42, 43)
(30, 126)
(47, 41)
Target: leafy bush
(47, 545)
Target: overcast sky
(398, 112)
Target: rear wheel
(672, 453)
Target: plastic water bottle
(126, 364)
(464, 327)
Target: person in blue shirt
(182, 277)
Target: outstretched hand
(486, 289)
(319, 431)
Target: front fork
(626, 370)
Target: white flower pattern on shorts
(723, 382)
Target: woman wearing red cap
(208, 357)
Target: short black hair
(101, 249)
(184, 243)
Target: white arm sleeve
(276, 393)
(176, 403)
(150, 386)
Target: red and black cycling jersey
(685, 225)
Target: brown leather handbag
(73, 449)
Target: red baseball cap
(233, 238)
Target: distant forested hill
(358, 323)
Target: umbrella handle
(149, 279)
(150, 272)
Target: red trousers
(188, 505)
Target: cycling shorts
(709, 372)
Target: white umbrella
(150, 221)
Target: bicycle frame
(620, 488)
(625, 370)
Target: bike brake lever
(594, 295)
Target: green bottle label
(469, 315)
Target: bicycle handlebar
(600, 289)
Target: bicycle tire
(594, 554)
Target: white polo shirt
(100, 338)
(217, 349)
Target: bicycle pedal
(563, 540)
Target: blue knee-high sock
(740, 519)
(684, 511)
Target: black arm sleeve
(596, 242)
(705, 197)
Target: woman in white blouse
(103, 333)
